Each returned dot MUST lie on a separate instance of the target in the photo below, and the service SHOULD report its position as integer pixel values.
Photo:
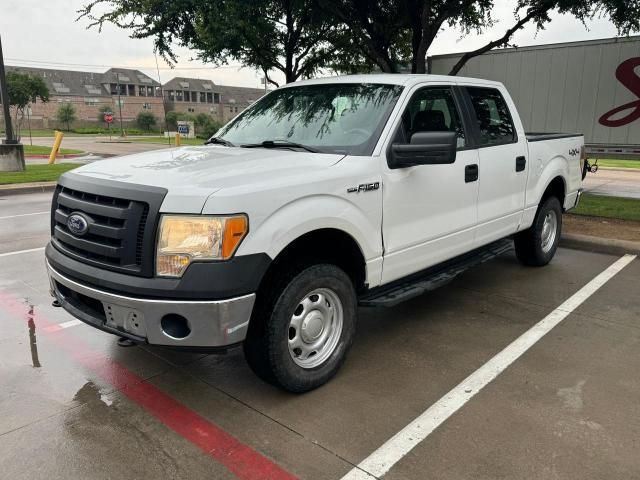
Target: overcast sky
(36, 31)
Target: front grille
(120, 229)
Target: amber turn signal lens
(235, 230)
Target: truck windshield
(333, 118)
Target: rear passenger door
(503, 163)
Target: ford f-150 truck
(322, 196)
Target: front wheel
(537, 245)
(304, 328)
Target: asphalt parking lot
(73, 404)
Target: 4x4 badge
(364, 187)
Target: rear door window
(492, 113)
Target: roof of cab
(404, 79)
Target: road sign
(108, 117)
(183, 129)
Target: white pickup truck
(323, 195)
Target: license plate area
(125, 318)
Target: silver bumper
(216, 323)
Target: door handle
(521, 163)
(470, 173)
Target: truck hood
(192, 174)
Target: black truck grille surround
(121, 224)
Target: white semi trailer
(591, 87)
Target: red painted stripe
(238, 458)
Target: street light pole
(120, 104)
(4, 93)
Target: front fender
(320, 211)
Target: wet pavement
(73, 404)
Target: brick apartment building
(136, 92)
(222, 102)
(90, 91)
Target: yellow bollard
(56, 147)
(178, 140)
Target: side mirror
(426, 148)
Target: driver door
(430, 212)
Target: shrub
(146, 120)
(66, 114)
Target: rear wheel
(537, 245)
(302, 328)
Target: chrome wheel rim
(315, 328)
(549, 231)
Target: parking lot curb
(599, 244)
(23, 188)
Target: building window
(179, 95)
(142, 91)
(216, 97)
(132, 90)
(209, 97)
(191, 110)
(172, 95)
(187, 95)
(203, 97)
(91, 101)
(150, 91)
(146, 106)
(158, 91)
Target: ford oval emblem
(77, 224)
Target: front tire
(303, 328)
(537, 245)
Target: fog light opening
(175, 326)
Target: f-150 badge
(364, 187)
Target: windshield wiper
(280, 144)
(219, 141)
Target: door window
(493, 116)
(432, 109)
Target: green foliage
(37, 173)
(285, 35)
(299, 37)
(173, 117)
(206, 126)
(66, 114)
(24, 89)
(610, 207)
(146, 120)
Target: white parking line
(18, 252)
(63, 325)
(24, 215)
(385, 457)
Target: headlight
(185, 238)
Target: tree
(301, 37)
(146, 120)
(66, 114)
(289, 36)
(24, 89)
(384, 28)
(206, 125)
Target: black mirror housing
(426, 148)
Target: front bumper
(210, 324)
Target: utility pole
(120, 104)
(10, 139)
